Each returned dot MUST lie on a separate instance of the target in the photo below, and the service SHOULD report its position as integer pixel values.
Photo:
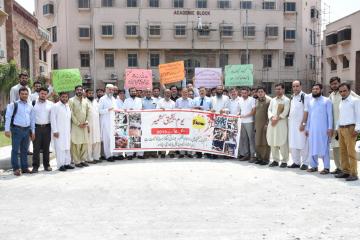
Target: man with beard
(219, 101)
(174, 93)
(34, 96)
(133, 103)
(261, 124)
(319, 128)
(277, 131)
(42, 110)
(298, 142)
(94, 146)
(99, 94)
(116, 92)
(107, 105)
(335, 98)
(23, 82)
(120, 100)
(61, 130)
(80, 113)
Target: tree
(8, 77)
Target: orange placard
(171, 72)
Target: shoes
(352, 178)
(129, 157)
(243, 159)
(294, 165)
(325, 171)
(98, 161)
(48, 169)
(62, 169)
(84, 164)
(69, 167)
(258, 161)
(310, 170)
(28, 171)
(342, 175)
(35, 170)
(181, 156)
(198, 155)
(110, 159)
(121, 157)
(171, 156)
(79, 165)
(274, 164)
(283, 165)
(214, 156)
(252, 160)
(336, 171)
(17, 172)
(189, 156)
(141, 157)
(304, 167)
(162, 155)
(92, 162)
(264, 162)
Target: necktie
(202, 102)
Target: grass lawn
(4, 141)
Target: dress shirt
(246, 106)
(42, 112)
(219, 103)
(34, 96)
(24, 116)
(203, 102)
(163, 104)
(148, 103)
(233, 106)
(349, 112)
(14, 93)
(182, 103)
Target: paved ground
(178, 199)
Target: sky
(338, 8)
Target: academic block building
(104, 37)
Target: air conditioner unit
(87, 77)
(2, 53)
(114, 76)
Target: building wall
(2, 36)
(67, 18)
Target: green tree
(8, 77)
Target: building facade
(342, 50)
(104, 37)
(26, 42)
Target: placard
(171, 72)
(65, 80)
(239, 75)
(138, 78)
(208, 77)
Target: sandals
(325, 171)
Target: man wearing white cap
(107, 105)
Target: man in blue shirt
(148, 101)
(20, 125)
(202, 102)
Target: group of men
(81, 128)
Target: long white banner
(187, 130)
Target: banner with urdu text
(188, 130)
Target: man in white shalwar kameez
(94, 146)
(298, 142)
(319, 128)
(107, 104)
(60, 117)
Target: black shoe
(48, 169)
(342, 175)
(162, 155)
(171, 156)
(79, 165)
(336, 171)
(92, 162)
(258, 161)
(304, 167)
(252, 160)
(129, 157)
(283, 165)
(294, 165)
(214, 156)
(263, 163)
(102, 158)
(121, 157)
(110, 159)
(69, 167)
(181, 156)
(141, 157)
(352, 178)
(189, 156)
(198, 155)
(84, 164)
(62, 169)
(97, 161)
(274, 164)
(35, 170)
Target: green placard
(65, 80)
(239, 75)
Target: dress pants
(347, 151)
(42, 142)
(247, 140)
(263, 152)
(79, 152)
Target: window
(106, 3)
(201, 3)
(289, 59)
(204, 33)
(267, 61)
(84, 60)
(289, 6)
(289, 34)
(333, 65)
(85, 4)
(331, 39)
(107, 30)
(224, 4)
(269, 5)
(131, 3)
(268, 87)
(271, 31)
(131, 30)
(40, 53)
(223, 60)
(312, 62)
(180, 30)
(245, 4)
(226, 31)
(314, 13)
(48, 9)
(245, 59)
(154, 3)
(154, 59)
(178, 3)
(346, 62)
(344, 35)
(55, 61)
(248, 31)
(54, 34)
(154, 30)
(44, 56)
(312, 37)
(109, 59)
(84, 32)
(132, 60)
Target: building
(342, 50)
(26, 42)
(104, 37)
(3, 17)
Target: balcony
(344, 36)
(331, 40)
